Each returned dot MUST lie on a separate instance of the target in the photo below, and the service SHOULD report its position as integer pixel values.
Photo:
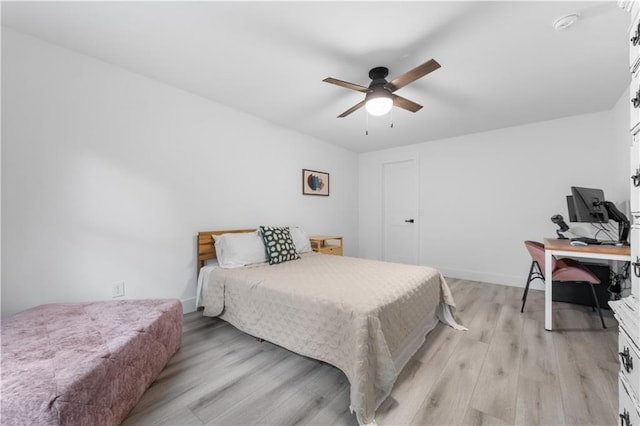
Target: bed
(365, 317)
(84, 363)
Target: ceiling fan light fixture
(378, 102)
(379, 106)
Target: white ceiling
(502, 62)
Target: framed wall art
(315, 183)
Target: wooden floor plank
(446, 401)
(475, 417)
(336, 411)
(482, 327)
(236, 392)
(268, 393)
(539, 403)
(496, 389)
(510, 320)
(537, 355)
(182, 417)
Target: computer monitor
(571, 208)
(588, 205)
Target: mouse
(619, 244)
(578, 243)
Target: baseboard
(188, 305)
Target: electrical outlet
(117, 289)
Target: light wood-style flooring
(506, 370)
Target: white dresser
(627, 310)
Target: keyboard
(587, 240)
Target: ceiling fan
(379, 96)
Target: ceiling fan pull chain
(366, 127)
(391, 117)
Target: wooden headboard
(206, 248)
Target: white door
(400, 211)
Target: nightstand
(327, 245)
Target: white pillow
(300, 240)
(236, 250)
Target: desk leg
(548, 299)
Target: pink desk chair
(563, 270)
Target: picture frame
(315, 183)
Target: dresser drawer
(634, 165)
(335, 250)
(628, 414)
(634, 102)
(634, 42)
(634, 271)
(629, 361)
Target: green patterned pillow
(280, 247)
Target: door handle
(409, 221)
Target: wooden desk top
(565, 245)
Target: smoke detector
(564, 22)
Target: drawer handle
(627, 359)
(636, 38)
(636, 267)
(625, 419)
(636, 178)
(636, 101)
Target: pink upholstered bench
(84, 363)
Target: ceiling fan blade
(346, 84)
(352, 109)
(405, 103)
(413, 75)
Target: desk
(556, 247)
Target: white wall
(483, 194)
(108, 175)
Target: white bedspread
(365, 317)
